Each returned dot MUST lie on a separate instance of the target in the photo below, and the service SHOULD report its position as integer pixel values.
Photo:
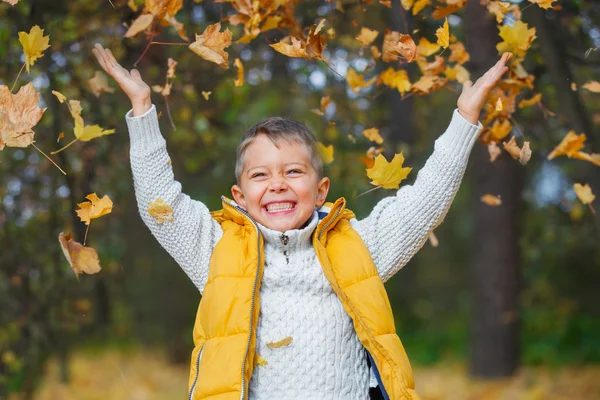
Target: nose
(278, 184)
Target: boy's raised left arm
(399, 225)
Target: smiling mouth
(280, 208)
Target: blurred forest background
(506, 305)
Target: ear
(322, 190)
(238, 195)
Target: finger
(135, 73)
(112, 58)
(98, 56)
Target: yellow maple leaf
(296, 49)
(570, 145)
(443, 34)
(282, 343)
(19, 113)
(419, 5)
(386, 174)
(211, 43)
(584, 193)
(356, 81)
(491, 200)
(529, 102)
(499, 130)
(99, 84)
(240, 72)
(458, 73)
(82, 259)
(34, 43)
(366, 36)
(516, 39)
(61, 97)
(592, 86)
(160, 210)
(373, 135)
(206, 94)
(326, 153)
(545, 4)
(426, 48)
(407, 4)
(395, 79)
(86, 133)
(94, 208)
(459, 53)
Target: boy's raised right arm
(193, 233)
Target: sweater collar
(291, 239)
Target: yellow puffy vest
(225, 329)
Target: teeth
(280, 207)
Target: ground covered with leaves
(145, 374)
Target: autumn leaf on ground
(592, 86)
(397, 44)
(388, 175)
(443, 34)
(211, 43)
(571, 146)
(99, 84)
(356, 81)
(373, 135)
(516, 38)
(326, 152)
(584, 193)
(282, 343)
(82, 259)
(34, 43)
(366, 36)
(395, 79)
(19, 113)
(94, 208)
(491, 200)
(160, 210)
(545, 4)
(240, 72)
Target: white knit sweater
(325, 360)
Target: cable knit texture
(325, 359)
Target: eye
(258, 175)
(294, 171)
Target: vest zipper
(284, 239)
(197, 372)
(244, 212)
(331, 221)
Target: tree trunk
(494, 348)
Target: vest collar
(294, 239)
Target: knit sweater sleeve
(399, 225)
(192, 235)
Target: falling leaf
(324, 102)
(99, 84)
(283, 342)
(211, 43)
(372, 152)
(140, 24)
(433, 68)
(426, 48)
(387, 3)
(573, 86)
(419, 5)
(516, 38)
(60, 136)
(459, 53)
(395, 79)
(366, 36)
(433, 239)
(85, 133)
(19, 113)
(570, 145)
(499, 105)
(458, 73)
(160, 210)
(521, 154)
(206, 95)
(499, 130)
(240, 73)
(584, 193)
(375, 52)
(494, 151)
(442, 12)
(296, 49)
(491, 200)
(373, 135)
(326, 153)
(388, 175)
(397, 44)
(61, 98)
(34, 43)
(545, 4)
(425, 84)
(356, 81)
(529, 102)
(525, 155)
(407, 4)
(94, 208)
(592, 86)
(443, 35)
(260, 361)
(82, 259)
(499, 9)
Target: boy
(293, 303)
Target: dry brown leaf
(592, 86)
(211, 43)
(140, 24)
(19, 113)
(529, 102)
(99, 84)
(584, 193)
(82, 259)
(397, 44)
(282, 343)
(160, 210)
(94, 208)
(491, 200)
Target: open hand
(473, 96)
(130, 82)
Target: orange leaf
(19, 113)
(95, 208)
(160, 210)
(282, 343)
(82, 259)
(366, 36)
(99, 84)
(491, 200)
(211, 43)
(373, 135)
(398, 44)
(240, 73)
(356, 81)
(592, 86)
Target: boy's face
(279, 186)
